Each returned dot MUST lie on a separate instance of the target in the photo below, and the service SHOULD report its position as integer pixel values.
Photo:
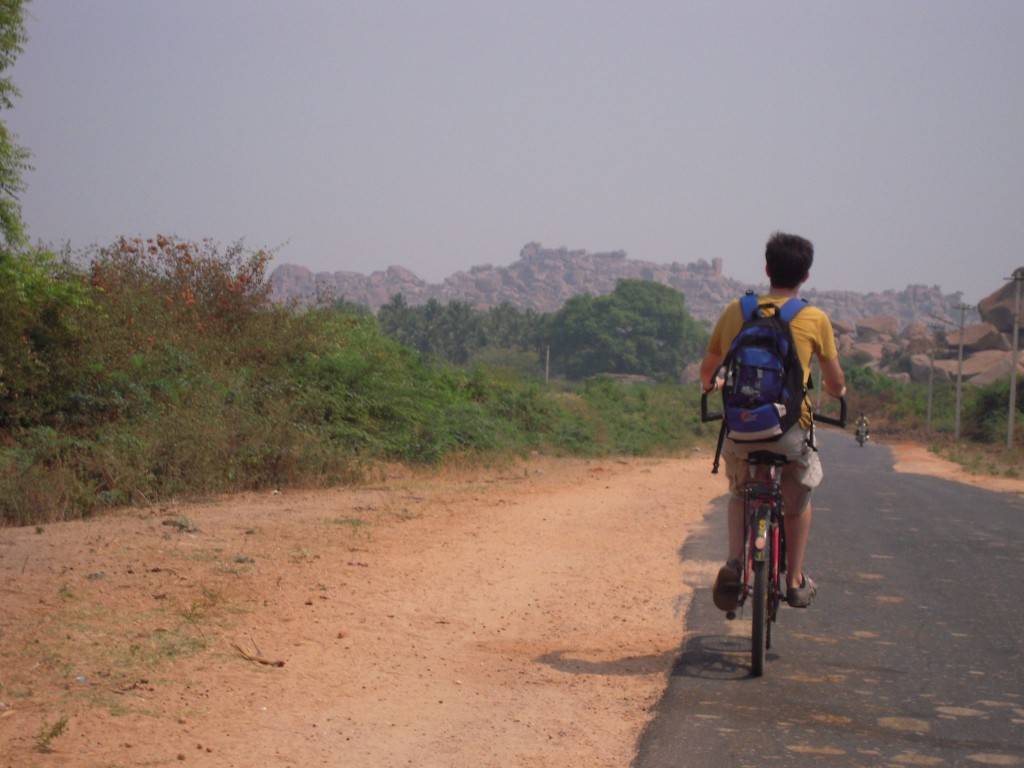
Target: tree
(13, 158)
(642, 327)
(37, 290)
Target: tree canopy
(13, 158)
(642, 327)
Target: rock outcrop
(891, 331)
(544, 278)
(997, 308)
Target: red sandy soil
(525, 615)
(917, 459)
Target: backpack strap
(748, 305)
(791, 309)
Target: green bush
(173, 375)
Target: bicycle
(764, 537)
(862, 434)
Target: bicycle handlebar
(840, 422)
(706, 415)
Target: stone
(978, 338)
(874, 327)
(998, 370)
(919, 365)
(843, 328)
(997, 308)
(976, 363)
(918, 337)
(868, 352)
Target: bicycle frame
(764, 547)
(763, 526)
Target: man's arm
(832, 376)
(717, 346)
(708, 368)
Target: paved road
(911, 655)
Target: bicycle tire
(759, 633)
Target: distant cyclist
(788, 260)
(863, 429)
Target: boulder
(845, 344)
(997, 371)
(978, 338)
(997, 308)
(977, 364)
(919, 365)
(902, 376)
(918, 337)
(868, 352)
(874, 327)
(843, 328)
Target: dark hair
(789, 259)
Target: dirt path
(517, 617)
(917, 459)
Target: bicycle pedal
(730, 615)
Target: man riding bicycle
(863, 427)
(788, 260)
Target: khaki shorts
(804, 465)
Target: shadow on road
(628, 665)
(715, 657)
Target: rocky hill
(544, 278)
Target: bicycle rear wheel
(759, 633)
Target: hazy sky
(441, 134)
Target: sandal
(802, 596)
(726, 592)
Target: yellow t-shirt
(812, 334)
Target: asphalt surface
(911, 655)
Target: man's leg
(797, 506)
(727, 584)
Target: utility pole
(959, 371)
(931, 388)
(1018, 279)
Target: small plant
(181, 524)
(65, 592)
(46, 735)
(355, 523)
(244, 559)
(200, 609)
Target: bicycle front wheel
(759, 635)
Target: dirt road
(517, 616)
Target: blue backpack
(765, 385)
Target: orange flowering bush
(200, 283)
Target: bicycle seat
(767, 458)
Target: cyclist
(788, 260)
(863, 428)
